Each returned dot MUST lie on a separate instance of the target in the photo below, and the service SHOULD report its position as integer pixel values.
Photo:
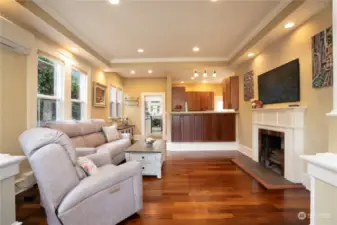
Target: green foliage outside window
(75, 84)
(76, 111)
(46, 80)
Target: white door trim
(142, 104)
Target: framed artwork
(322, 62)
(248, 85)
(99, 99)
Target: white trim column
(321, 167)
(334, 34)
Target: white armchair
(70, 197)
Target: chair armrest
(85, 151)
(126, 136)
(100, 159)
(103, 180)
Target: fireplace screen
(271, 150)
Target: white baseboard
(26, 181)
(306, 181)
(246, 151)
(202, 146)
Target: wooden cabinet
(209, 127)
(231, 93)
(200, 101)
(178, 99)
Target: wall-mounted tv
(281, 84)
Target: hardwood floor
(200, 188)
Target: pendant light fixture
(214, 74)
(196, 74)
(205, 73)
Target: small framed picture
(99, 95)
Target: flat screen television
(281, 84)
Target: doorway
(153, 115)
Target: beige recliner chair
(68, 195)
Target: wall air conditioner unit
(15, 38)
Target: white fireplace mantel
(290, 121)
(9, 167)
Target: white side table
(150, 157)
(9, 167)
(322, 169)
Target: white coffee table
(151, 158)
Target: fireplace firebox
(271, 150)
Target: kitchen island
(204, 126)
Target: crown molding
(264, 22)
(275, 17)
(39, 12)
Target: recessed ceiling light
(182, 82)
(132, 72)
(196, 49)
(214, 0)
(140, 50)
(114, 2)
(251, 54)
(196, 74)
(289, 25)
(149, 71)
(192, 78)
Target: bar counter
(204, 126)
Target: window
(113, 98)
(116, 96)
(119, 102)
(78, 94)
(49, 96)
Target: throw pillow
(87, 165)
(111, 133)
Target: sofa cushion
(76, 128)
(85, 151)
(111, 133)
(78, 142)
(114, 148)
(94, 140)
(89, 127)
(70, 129)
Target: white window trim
(115, 101)
(59, 91)
(119, 102)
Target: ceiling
(164, 29)
(109, 35)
